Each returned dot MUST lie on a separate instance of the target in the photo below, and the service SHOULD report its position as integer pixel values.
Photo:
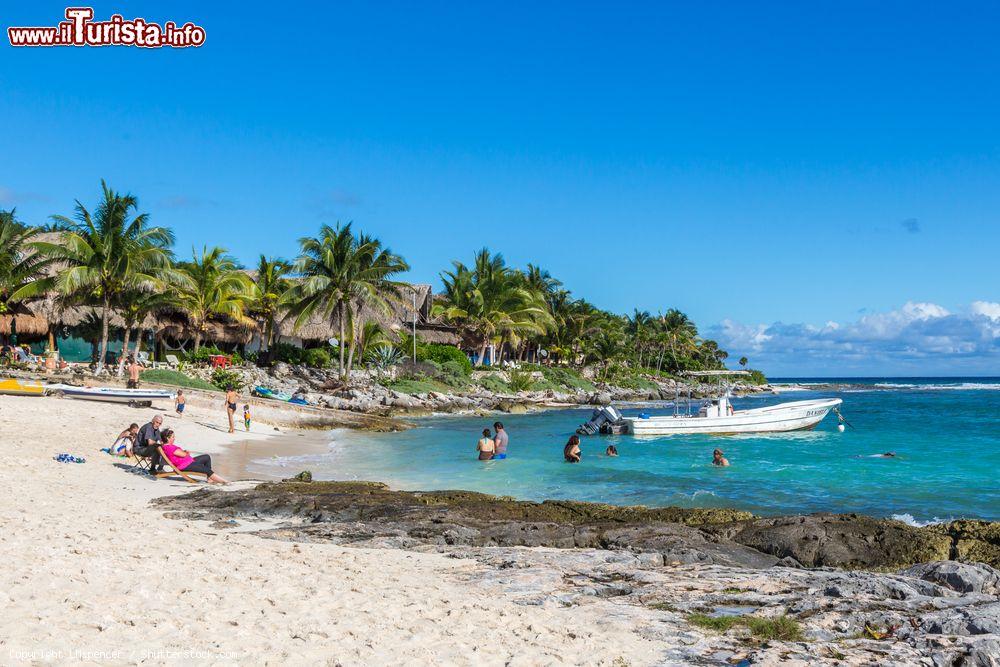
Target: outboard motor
(600, 420)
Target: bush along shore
(716, 586)
(429, 387)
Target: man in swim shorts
(500, 441)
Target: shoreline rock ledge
(821, 589)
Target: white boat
(110, 394)
(720, 418)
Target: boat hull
(14, 387)
(112, 394)
(795, 416)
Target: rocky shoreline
(322, 387)
(837, 589)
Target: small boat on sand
(111, 394)
(15, 387)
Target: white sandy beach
(93, 575)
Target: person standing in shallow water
(485, 446)
(718, 459)
(571, 452)
(231, 399)
(500, 441)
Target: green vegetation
(425, 376)
(224, 379)
(210, 285)
(780, 628)
(108, 254)
(419, 386)
(176, 379)
(520, 381)
(341, 272)
(716, 623)
(113, 259)
(317, 358)
(493, 383)
(22, 273)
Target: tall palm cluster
(527, 315)
(111, 257)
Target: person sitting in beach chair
(183, 462)
(147, 443)
(125, 441)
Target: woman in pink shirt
(182, 460)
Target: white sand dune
(93, 575)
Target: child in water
(246, 416)
(179, 403)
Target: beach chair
(176, 471)
(143, 358)
(172, 361)
(140, 463)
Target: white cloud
(918, 338)
(990, 309)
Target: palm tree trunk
(350, 349)
(482, 351)
(659, 362)
(197, 339)
(340, 342)
(105, 316)
(121, 359)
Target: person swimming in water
(611, 451)
(571, 452)
(718, 459)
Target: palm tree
(371, 336)
(743, 362)
(341, 275)
(136, 306)
(22, 268)
(212, 285)
(540, 282)
(604, 347)
(679, 332)
(490, 302)
(268, 286)
(636, 328)
(108, 254)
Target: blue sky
(776, 165)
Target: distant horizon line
(878, 377)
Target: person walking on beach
(146, 442)
(500, 441)
(246, 417)
(231, 398)
(134, 367)
(718, 459)
(571, 452)
(486, 446)
(179, 403)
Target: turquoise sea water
(945, 433)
